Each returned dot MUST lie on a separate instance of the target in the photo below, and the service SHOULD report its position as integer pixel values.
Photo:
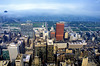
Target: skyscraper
(5, 54)
(13, 52)
(59, 31)
(19, 60)
(50, 50)
(66, 35)
(52, 32)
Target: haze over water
(24, 8)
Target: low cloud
(54, 8)
(38, 6)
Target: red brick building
(59, 31)
(52, 34)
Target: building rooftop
(49, 42)
(78, 43)
(4, 63)
(27, 24)
(61, 22)
(26, 57)
(19, 57)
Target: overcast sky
(73, 7)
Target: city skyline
(50, 33)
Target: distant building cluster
(38, 46)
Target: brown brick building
(59, 31)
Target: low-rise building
(27, 59)
(60, 45)
(4, 63)
(76, 44)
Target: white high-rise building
(45, 34)
(74, 36)
(13, 51)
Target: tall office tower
(46, 26)
(21, 47)
(25, 40)
(45, 35)
(59, 31)
(37, 61)
(27, 30)
(52, 32)
(85, 62)
(5, 54)
(66, 35)
(40, 50)
(50, 50)
(13, 51)
(27, 59)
